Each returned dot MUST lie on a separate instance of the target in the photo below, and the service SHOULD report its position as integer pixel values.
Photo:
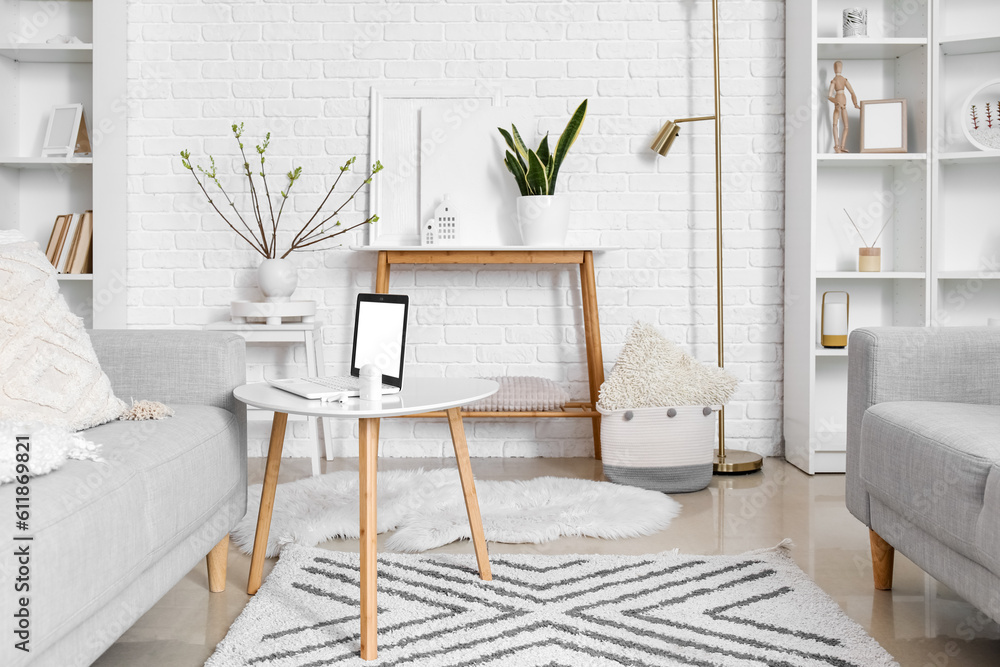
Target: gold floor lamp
(726, 461)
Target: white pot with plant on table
(542, 215)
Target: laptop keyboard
(342, 383)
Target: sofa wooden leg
(882, 559)
(217, 559)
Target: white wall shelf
(831, 351)
(48, 53)
(44, 162)
(34, 190)
(968, 275)
(968, 157)
(838, 48)
(872, 275)
(854, 160)
(969, 44)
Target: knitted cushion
(653, 372)
(518, 394)
(49, 371)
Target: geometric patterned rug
(549, 611)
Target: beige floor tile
(920, 621)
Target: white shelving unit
(966, 229)
(941, 253)
(34, 77)
(821, 246)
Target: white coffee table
(418, 395)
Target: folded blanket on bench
(521, 394)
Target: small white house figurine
(443, 228)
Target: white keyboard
(342, 383)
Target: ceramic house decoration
(443, 228)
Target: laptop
(379, 338)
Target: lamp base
(737, 462)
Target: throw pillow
(652, 372)
(49, 371)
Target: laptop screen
(380, 335)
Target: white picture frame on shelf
(63, 132)
(396, 142)
(883, 126)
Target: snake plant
(536, 170)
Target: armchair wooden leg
(882, 558)
(217, 559)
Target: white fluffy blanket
(427, 510)
(652, 372)
(50, 447)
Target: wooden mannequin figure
(839, 99)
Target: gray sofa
(110, 539)
(923, 453)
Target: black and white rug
(664, 609)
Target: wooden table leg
(469, 491)
(368, 467)
(592, 334)
(267, 500)
(382, 273)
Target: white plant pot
(277, 279)
(543, 220)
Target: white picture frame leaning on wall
(394, 139)
(883, 126)
(66, 134)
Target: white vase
(277, 279)
(543, 220)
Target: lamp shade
(665, 137)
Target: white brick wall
(302, 70)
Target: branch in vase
(185, 159)
(261, 149)
(300, 246)
(376, 168)
(346, 167)
(292, 177)
(254, 201)
(214, 176)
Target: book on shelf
(80, 260)
(69, 247)
(57, 239)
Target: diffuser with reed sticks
(869, 257)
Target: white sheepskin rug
(652, 372)
(50, 446)
(426, 510)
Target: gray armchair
(923, 453)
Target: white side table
(418, 395)
(309, 335)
